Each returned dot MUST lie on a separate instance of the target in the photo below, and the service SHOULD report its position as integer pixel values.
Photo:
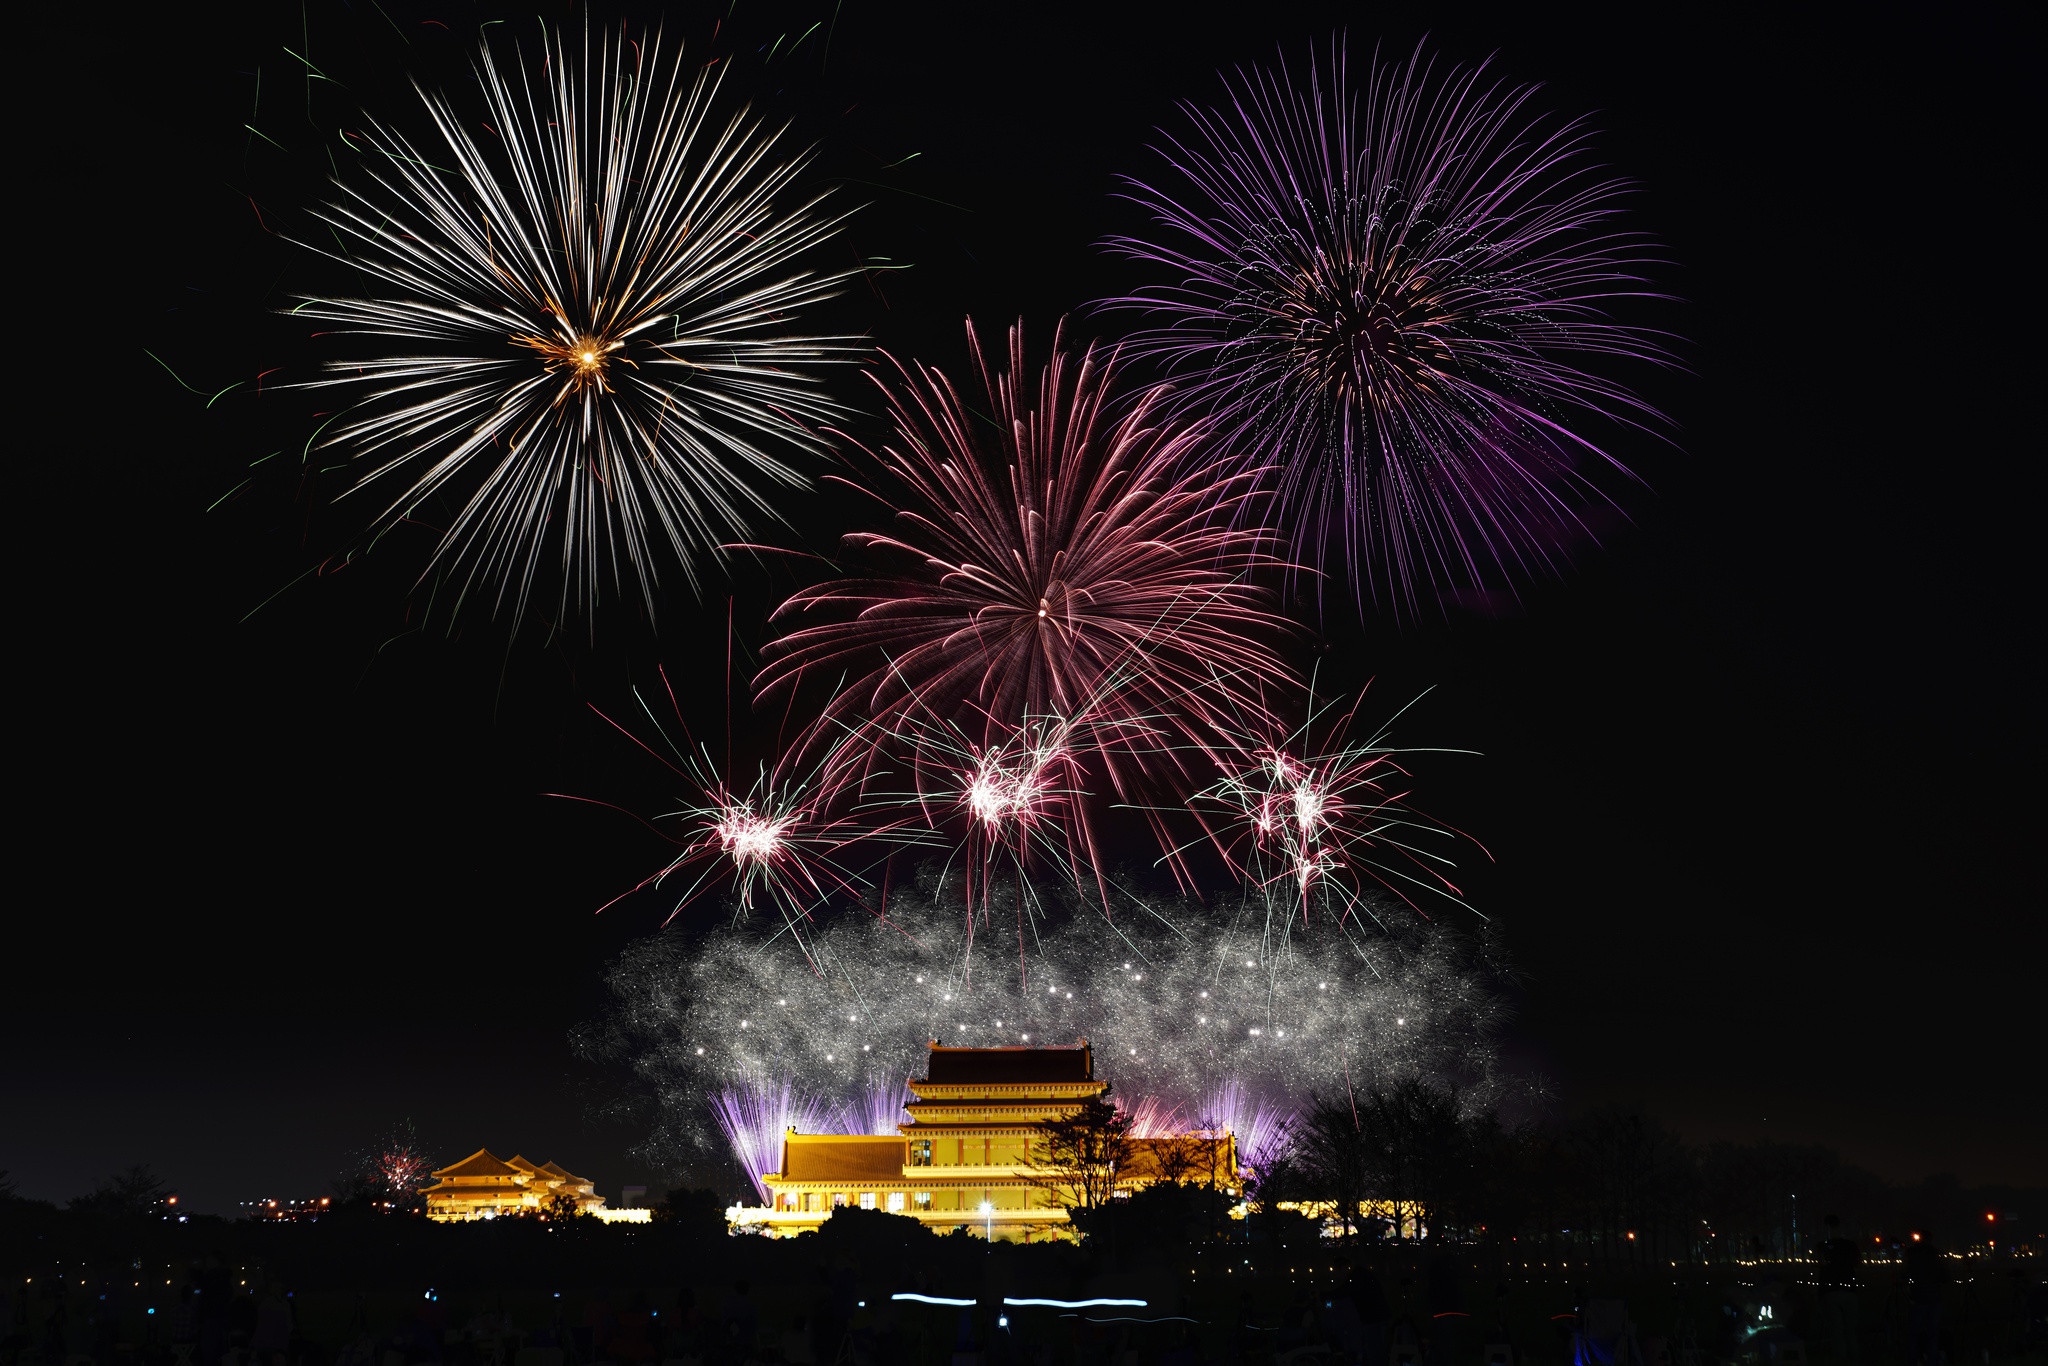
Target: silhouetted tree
(131, 1194)
(1078, 1157)
(1332, 1158)
(1167, 1214)
(1629, 1176)
(698, 1212)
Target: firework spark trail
(754, 1112)
(772, 842)
(1263, 1128)
(1177, 1003)
(1048, 560)
(1016, 801)
(1152, 1117)
(1314, 820)
(876, 1108)
(1388, 294)
(580, 332)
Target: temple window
(895, 1202)
(867, 1199)
(924, 1200)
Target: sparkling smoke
(1183, 1004)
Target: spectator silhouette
(216, 1289)
(56, 1315)
(183, 1328)
(1446, 1305)
(1840, 1278)
(271, 1340)
(1926, 1278)
(1404, 1334)
(742, 1320)
(14, 1325)
(796, 1343)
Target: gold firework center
(972, 1155)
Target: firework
(1047, 560)
(773, 842)
(1151, 1117)
(1389, 293)
(1312, 819)
(390, 1172)
(1179, 1000)
(1014, 802)
(754, 1112)
(578, 332)
(1263, 1127)
(876, 1108)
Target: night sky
(1758, 776)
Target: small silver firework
(581, 323)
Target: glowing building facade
(969, 1157)
(481, 1186)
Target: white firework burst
(580, 323)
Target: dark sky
(1756, 776)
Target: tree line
(1614, 1183)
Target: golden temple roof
(479, 1163)
(843, 1157)
(559, 1174)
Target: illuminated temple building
(481, 1186)
(966, 1158)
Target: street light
(988, 1216)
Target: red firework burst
(1048, 558)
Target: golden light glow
(581, 359)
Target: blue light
(1078, 1304)
(935, 1299)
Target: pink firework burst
(1011, 799)
(1152, 1117)
(1047, 558)
(773, 842)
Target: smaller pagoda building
(483, 1186)
(970, 1155)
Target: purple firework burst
(754, 1112)
(1263, 1128)
(1388, 295)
